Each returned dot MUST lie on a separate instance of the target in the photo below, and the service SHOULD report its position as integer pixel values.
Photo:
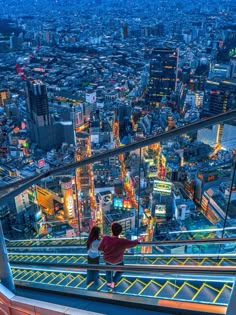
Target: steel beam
(5, 270)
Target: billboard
(122, 203)
(67, 191)
(91, 97)
(162, 187)
(117, 202)
(160, 210)
(68, 205)
(127, 203)
(22, 202)
(41, 163)
(106, 199)
(152, 174)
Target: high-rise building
(125, 31)
(163, 75)
(221, 96)
(40, 124)
(69, 207)
(48, 132)
(124, 117)
(38, 108)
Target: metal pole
(5, 270)
(139, 184)
(75, 159)
(229, 199)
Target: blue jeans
(114, 276)
(93, 275)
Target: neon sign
(232, 52)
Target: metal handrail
(157, 243)
(25, 183)
(129, 256)
(136, 268)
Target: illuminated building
(163, 74)
(208, 179)
(221, 96)
(220, 70)
(105, 199)
(121, 211)
(194, 99)
(4, 95)
(214, 201)
(67, 191)
(47, 199)
(161, 201)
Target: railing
(73, 246)
(148, 269)
(81, 241)
(189, 288)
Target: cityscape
(81, 78)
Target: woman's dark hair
(116, 229)
(93, 235)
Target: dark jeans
(113, 276)
(93, 275)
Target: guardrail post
(232, 301)
(5, 269)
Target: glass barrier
(190, 186)
(203, 253)
(181, 188)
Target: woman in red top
(113, 249)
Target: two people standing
(113, 249)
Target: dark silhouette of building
(44, 131)
(37, 102)
(41, 128)
(125, 31)
(222, 97)
(124, 117)
(163, 74)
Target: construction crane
(20, 69)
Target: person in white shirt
(93, 254)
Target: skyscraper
(163, 75)
(221, 96)
(125, 31)
(41, 128)
(37, 102)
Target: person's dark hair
(116, 229)
(93, 235)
